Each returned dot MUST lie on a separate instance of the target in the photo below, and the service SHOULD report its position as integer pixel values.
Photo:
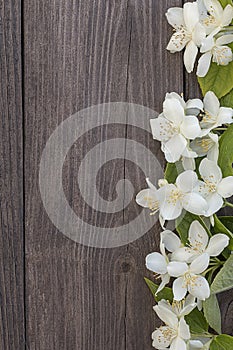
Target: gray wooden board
(78, 54)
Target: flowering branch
(196, 139)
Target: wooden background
(56, 58)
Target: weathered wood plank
(11, 180)
(78, 54)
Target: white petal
(225, 187)
(156, 262)
(188, 163)
(195, 103)
(150, 185)
(178, 344)
(188, 308)
(190, 127)
(190, 55)
(173, 111)
(164, 281)
(227, 15)
(213, 153)
(224, 39)
(177, 96)
(147, 198)
(175, 17)
(161, 128)
(187, 181)
(207, 44)
(191, 15)
(199, 34)
(159, 340)
(171, 240)
(195, 203)
(184, 254)
(183, 329)
(200, 264)
(174, 148)
(199, 288)
(210, 171)
(198, 236)
(211, 103)
(217, 243)
(215, 202)
(177, 269)
(225, 116)
(213, 6)
(204, 64)
(177, 42)
(179, 289)
(166, 315)
(171, 207)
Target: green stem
(202, 335)
(220, 129)
(228, 204)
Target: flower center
(221, 55)
(168, 130)
(178, 306)
(211, 186)
(208, 118)
(174, 196)
(205, 144)
(153, 205)
(190, 280)
(166, 333)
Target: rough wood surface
(11, 180)
(78, 54)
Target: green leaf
(224, 279)
(225, 159)
(224, 3)
(219, 79)
(227, 100)
(227, 221)
(172, 170)
(166, 293)
(212, 313)
(183, 223)
(222, 342)
(197, 322)
(219, 227)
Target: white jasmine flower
(213, 16)
(175, 334)
(181, 195)
(189, 32)
(215, 50)
(173, 128)
(206, 146)
(214, 115)
(214, 187)
(158, 263)
(189, 278)
(200, 243)
(179, 308)
(148, 198)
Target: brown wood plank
(11, 180)
(78, 54)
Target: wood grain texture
(78, 54)
(11, 180)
